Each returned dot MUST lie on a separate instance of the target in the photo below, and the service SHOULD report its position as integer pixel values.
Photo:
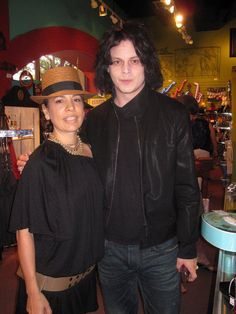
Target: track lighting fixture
(172, 9)
(186, 37)
(114, 19)
(179, 20)
(102, 10)
(170, 6)
(166, 2)
(94, 4)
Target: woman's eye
(78, 100)
(58, 100)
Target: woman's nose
(70, 105)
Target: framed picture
(197, 62)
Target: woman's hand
(21, 161)
(36, 301)
(38, 304)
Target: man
(203, 133)
(141, 143)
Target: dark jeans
(125, 268)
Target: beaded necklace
(73, 149)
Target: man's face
(126, 71)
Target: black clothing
(127, 184)
(168, 185)
(7, 193)
(60, 199)
(201, 135)
(75, 300)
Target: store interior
(197, 56)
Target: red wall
(30, 46)
(4, 28)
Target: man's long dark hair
(144, 48)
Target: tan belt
(48, 283)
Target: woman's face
(65, 112)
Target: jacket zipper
(141, 176)
(115, 168)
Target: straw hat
(60, 81)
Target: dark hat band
(66, 85)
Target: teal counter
(217, 230)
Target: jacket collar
(136, 106)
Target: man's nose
(126, 67)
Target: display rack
(222, 123)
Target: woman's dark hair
(46, 125)
(144, 48)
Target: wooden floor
(197, 300)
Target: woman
(58, 208)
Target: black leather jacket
(169, 186)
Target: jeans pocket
(172, 248)
(165, 248)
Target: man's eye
(135, 61)
(116, 62)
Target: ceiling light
(102, 10)
(172, 9)
(178, 25)
(179, 20)
(94, 4)
(114, 19)
(166, 2)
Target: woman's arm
(213, 140)
(36, 302)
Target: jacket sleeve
(187, 194)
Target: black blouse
(201, 135)
(60, 199)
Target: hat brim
(40, 99)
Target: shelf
(224, 113)
(210, 112)
(21, 138)
(223, 127)
(16, 134)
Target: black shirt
(127, 221)
(201, 135)
(60, 200)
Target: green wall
(28, 15)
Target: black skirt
(79, 299)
